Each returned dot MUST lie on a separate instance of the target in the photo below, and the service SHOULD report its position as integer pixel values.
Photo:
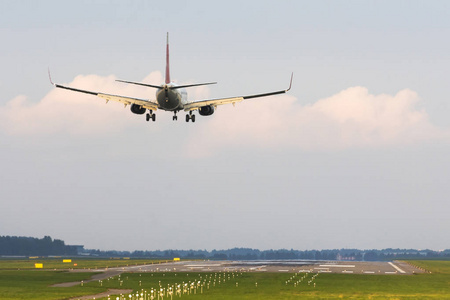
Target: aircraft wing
(215, 102)
(125, 100)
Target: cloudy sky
(355, 155)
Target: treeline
(254, 254)
(28, 246)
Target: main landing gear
(175, 116)
(150, 115)
(190, 116)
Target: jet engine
(206, 110)
(138, 109)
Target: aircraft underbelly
(170, 101)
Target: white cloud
(62, 111)
(351, 118)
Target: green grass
(434, 266)
(57, 263)
(273, 286)
(34, 284)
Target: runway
(276, 266)
(292, 266)
(285, 266)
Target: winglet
(290, 84)
(50, 77)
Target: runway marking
(324, 271)
(397, 268)
(345, 271)
(338, 266)
(390, 272)
(258, 267)
(321, 268)
(203, 266)
(369, 272)
(283, 270)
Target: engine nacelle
(137, 109)
(206, 110)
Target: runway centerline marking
(338, 266)
(206, 265)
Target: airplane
(170, 97)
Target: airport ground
(237, 280)
(270, 266)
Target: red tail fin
(167, 61)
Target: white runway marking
(369, 272)
(390, 272)
(397, 268)
(283, 270)
(202, 266)
(347, 271)
(338, 266)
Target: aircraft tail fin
(167, 61)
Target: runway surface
(280, 266)
(292, 266)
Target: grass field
(57, 263)
(34, 284)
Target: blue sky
(355, 155)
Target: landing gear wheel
(153, 117)
(175, 118)
(147, 117)
(187, 118)
(193, 118)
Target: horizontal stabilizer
(191, 85)
(143, 84)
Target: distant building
(78, 249)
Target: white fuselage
(171, 99)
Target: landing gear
(190, 116)
(150, 115)
(175, 116)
